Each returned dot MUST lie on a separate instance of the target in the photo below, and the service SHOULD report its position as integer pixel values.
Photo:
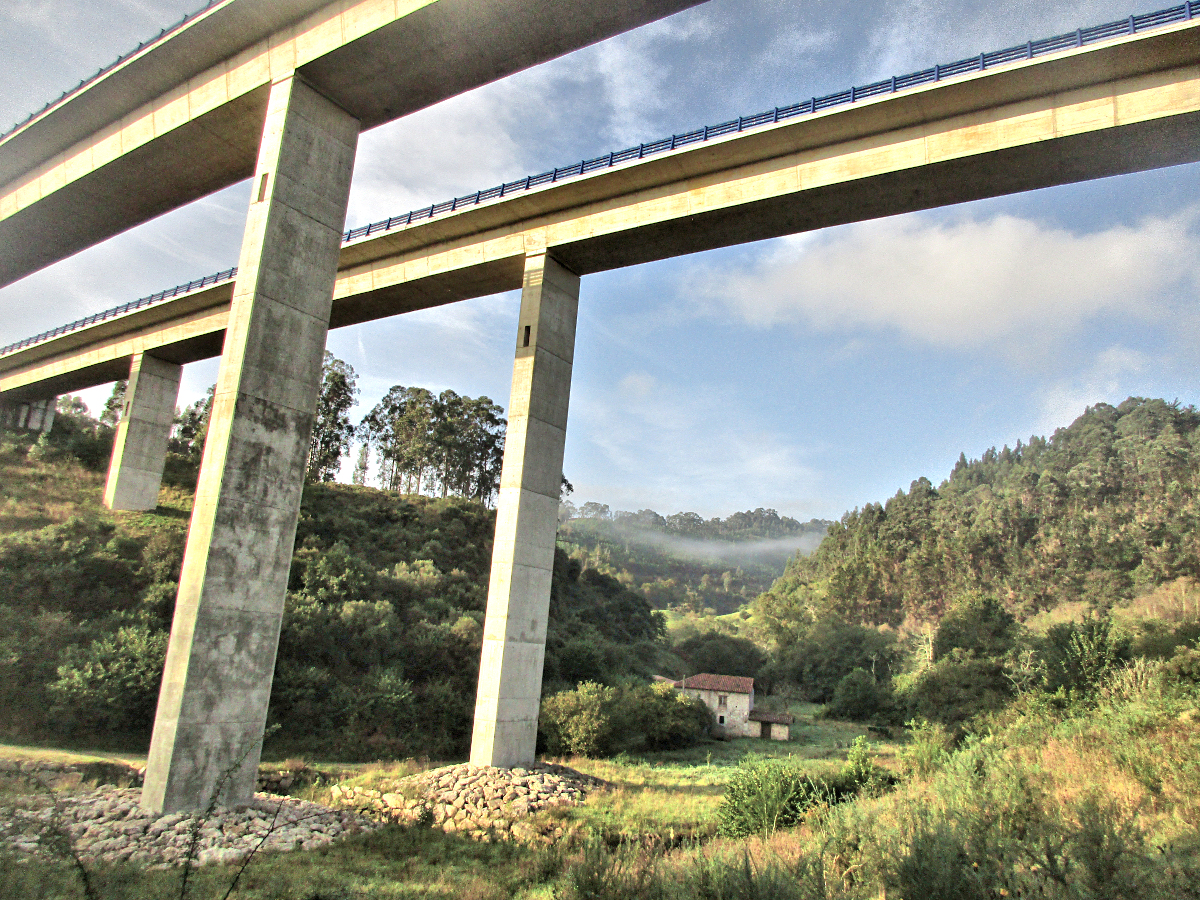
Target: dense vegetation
(380, 645)
(1045, 566)
(1094, 799)
(1034, 621)
(1104, 510)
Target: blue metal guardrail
(1081, 37)
(100, 73)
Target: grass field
(1097, 800)
(659, 801)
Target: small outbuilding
(771, 726)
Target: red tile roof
(761, 715)
(732, 684)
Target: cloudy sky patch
(966, 283)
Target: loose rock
(484, 802)
(117, 828)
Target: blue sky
(811, 374)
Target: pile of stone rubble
(108, 825)
(481, 802)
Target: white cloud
(964, 283)
(597, 99)
(630, 74)
(464, 144)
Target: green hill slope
(1104, 510)
(379, 650)
(684, 562)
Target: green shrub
(860, 698)
(31, 647)
(978, 626)
(935, 866)
(957, 688)
(764, 795)
(861, 774)
(670, 720)
(1078, 656)
(80, 566)
(928, 748)
(1183, 667)
(598, 720)
(112, 684)
(579, 722)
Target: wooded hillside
(684, 561)
(1105, 509)
(379, 651)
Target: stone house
(731, 699)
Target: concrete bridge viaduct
(1122, 105)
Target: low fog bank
(760, 551)
(751, 551)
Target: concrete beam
(139, 451)
(514, 630)
(1104, 110)
(179, 119)
(217, 680)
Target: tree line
(1104, 510)
(441, 445)
(740, 526)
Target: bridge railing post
(212, 707)
(514, 630)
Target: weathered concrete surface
(28, 415)
(1103, 110)
(514, 630)
(217, 680)
(180, 119)
(140, 444)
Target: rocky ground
(482, 802)
(107, 824)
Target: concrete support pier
(514, 632)
(217, 681)
(28, 415)
(140, 446)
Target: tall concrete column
(217, 680)
(514, 632)
(36, 415)
(140, 446)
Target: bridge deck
(182, 116)
(1122, 106)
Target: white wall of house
(731, 711)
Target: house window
(720, 720)
(721, 698)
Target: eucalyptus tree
(332, 429)
(448, 444)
